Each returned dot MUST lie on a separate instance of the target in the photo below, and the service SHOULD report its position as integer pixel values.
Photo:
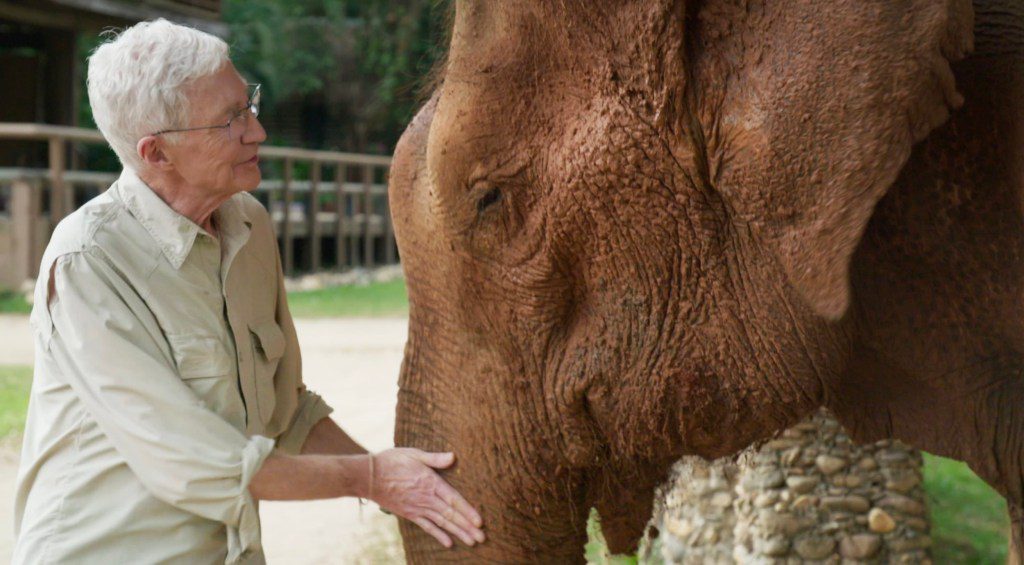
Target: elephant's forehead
(528, 144)
(564, 125)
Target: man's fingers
(446, 523)
(433, 530)
(438, 460)
(452, 498)
(451, 514)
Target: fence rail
(335, 212)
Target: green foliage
(596, 550)
(12, 302)
(15, 382)
(371, 54)
(398, 46)
(373, 300)
(969, 519)
(284, 44)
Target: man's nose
(255, 132)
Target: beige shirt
(167, 369)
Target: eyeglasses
(239, 122)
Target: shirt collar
(234, 226)
(175, 234)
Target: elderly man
(168, 392)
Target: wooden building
(40, 64)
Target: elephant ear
(823, 100)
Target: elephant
(634, 230)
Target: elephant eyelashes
(490, 197)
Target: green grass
(969, 521)
(14, 387)
(353, 301)
(13, 303)
(596, 550)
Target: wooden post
(354, 229)
(313, 225)
(389, 225)
(340, 210)
(286, 229)
(59, 201)
(26, 209)
(367, 213)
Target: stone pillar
(697, 509)
(808, 496)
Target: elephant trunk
(532, 506)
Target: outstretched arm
(402, 481)
(327, 438)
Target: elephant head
(638, 229)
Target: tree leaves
(363, 59)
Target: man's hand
(406, 484)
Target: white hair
(137, 81)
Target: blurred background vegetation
(344, 75)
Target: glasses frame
(252, 106)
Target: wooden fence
(329, 209)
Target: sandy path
(354, 365)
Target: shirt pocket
(267, 348)
(199, 356)
(205, 365)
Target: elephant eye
(490, 197)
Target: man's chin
(250, 183)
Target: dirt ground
(354, 365)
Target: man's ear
(151, 151)
(822, 102)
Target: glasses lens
(240, 123)
(254, 101)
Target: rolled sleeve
(311, 410)
(246, 535)
(112, 354)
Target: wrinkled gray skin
(638, 229)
